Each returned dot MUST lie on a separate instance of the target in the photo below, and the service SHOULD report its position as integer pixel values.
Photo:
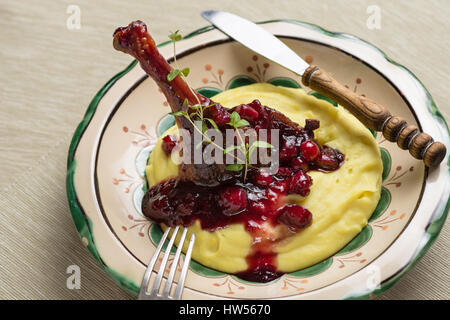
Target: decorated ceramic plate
(111, 146)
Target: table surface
(49, 74)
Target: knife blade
(372, 114)
(257, 39)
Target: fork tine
(185, 268)
(173, 269)
(162, 267)
(148, 272)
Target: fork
(165, 295)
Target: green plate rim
(83, 224)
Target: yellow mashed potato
(341, 202)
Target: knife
(370, 113)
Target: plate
(107, 156)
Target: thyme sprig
(237, 122)
(197, 116)
(199, 122)
(175, 37)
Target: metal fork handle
(154, 294)
(173, 269)
(162, 267)
(184, 269)
(148, 272)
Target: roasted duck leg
(136, 41)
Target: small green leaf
(194, 117)
(204, 127)
(199, 145)
(172, 75)
(185, 71)
(235, 167)
(175, 36)
(208, 106)
(262, 144)
(186, 103)
(235, 117)
(230, 148)
(178, 113)
(213, 123)
(195, 107)
(242, 123)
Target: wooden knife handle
(377, 117)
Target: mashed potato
(341, 202)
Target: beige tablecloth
(50, 73)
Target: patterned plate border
(84, 224)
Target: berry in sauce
(329, 159)
(168, 143)
(263, 178)
(280, 186)
(283, 172)
(309, 150)
(232, 200)
(300, 183)
(289, 150)
(261, 268)
(294, 216)
(219, 114)
(246, 112)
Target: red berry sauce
(259, 202)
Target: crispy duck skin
(136, 41)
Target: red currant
(294, 216)
(300, 184)
(232, 200)
(168, 143)
(246, 112)
(309, 150)
(263, 178)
